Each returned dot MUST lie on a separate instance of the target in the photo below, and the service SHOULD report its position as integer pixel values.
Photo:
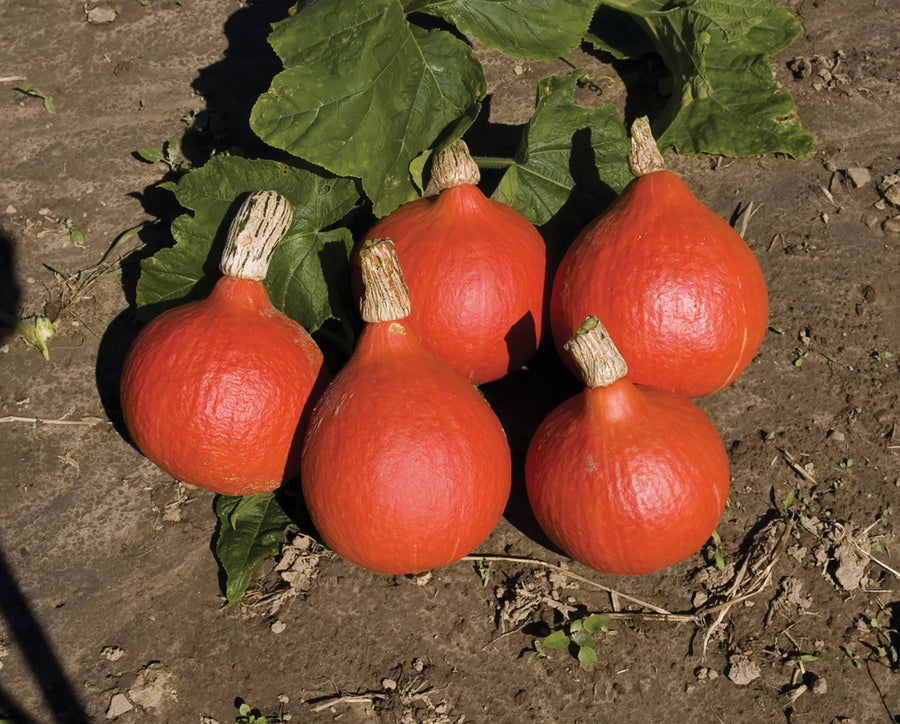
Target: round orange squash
(405, 466)
(624, 478)
(217, 392)
(678, 288)
(475, 269)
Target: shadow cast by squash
(521, 400)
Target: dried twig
(797, 467)
(87, 421)
(348, 699)
(755, 585)
(874, 559)
(568, 574)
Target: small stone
(836, 436)
(858, 176)
(741, 670)
(892, 225)
(871, 220)
(278, 626)
(817, 685)
(892, 194)
(118, 705)
(388, 684)
(152, 689)
(100, 13)
(851, 567)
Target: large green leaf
(535, 29)
(572, 162)
(251, 529)
(725, 98)
(363, 92)
(308, 266)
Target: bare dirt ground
(110, 603)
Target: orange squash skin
(217, 392)
(405, 466)
(676, 286)
(476, 272)
(627, 479)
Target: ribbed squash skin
(476, 272)
(217, 392)
(627, 479)
(676, 286)
(405, 466)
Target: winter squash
(217, 392)
(624, 478)
(677, 287)
(405, 466)
(475, 269)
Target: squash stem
(386, 296)
(595, 354)
(260, 223)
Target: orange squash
(624, 478)
(217, 392)
(405, 466)
(677, 287)
(475, 269)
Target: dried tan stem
(260, 223)
(454, 166)
(644, 156)
(386, 296)
(595, 354)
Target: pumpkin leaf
(534, 29)
(363, 92)
(572, 161)
(251, 529)
(308, 266)
(725, 98)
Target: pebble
(278, 627)
(742, 670)
(118, 705)
(892, 225)
(858, 176)
(101, 14)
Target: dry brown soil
(110, 603)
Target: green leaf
(725, 99)
(309, 267)
(572, 161)
(30, 89)
(615, 32)
(587, 656)
(251, 529)
(150, 155)
(363, 92)
(581, 638)
(534, 29)
(556, 640)
(596, 622)
(34, 331)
